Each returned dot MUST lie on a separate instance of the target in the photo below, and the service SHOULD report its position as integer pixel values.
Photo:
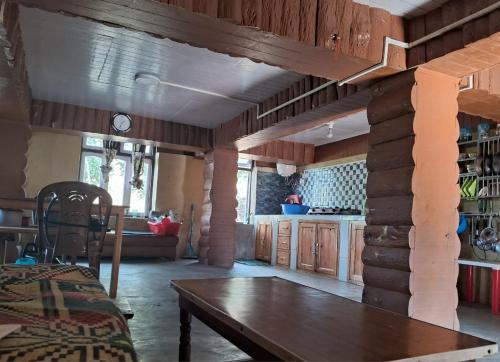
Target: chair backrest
(70, 223)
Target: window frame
(127, 157)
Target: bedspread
(64, 313)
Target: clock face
(121, 123)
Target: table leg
(495, 291)
(185, 339)
(115, 268)
(470, 283)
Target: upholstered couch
(139, 242)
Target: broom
(190, 253)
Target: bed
(64, 313)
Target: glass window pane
(127, 147)
(138, 198)
(242, 188)
(93, 142)
(243, 163)
(92, 170)
(116, 186)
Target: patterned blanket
(64, 313)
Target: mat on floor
(252, 262)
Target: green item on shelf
(472, 188)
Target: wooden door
(328, 248)
(356, 245)
(307, 245)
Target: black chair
(72, 220)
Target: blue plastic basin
(294, 209)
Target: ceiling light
(147, 79)
(330, 130)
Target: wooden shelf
(467, 143)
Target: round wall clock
(121, 123)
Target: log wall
(66, 117)
(410, 238)
(389, 197)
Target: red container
(165, 227)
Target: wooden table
(118, 211)
(274, 319)
(495, 281)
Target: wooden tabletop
(295, 322)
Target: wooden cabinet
(356, 245)
(318, 247)
(283, 249)
(263, 241)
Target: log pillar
(14, 142)
(219, 208)
(410, 237)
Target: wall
(180, 184)
(52, 157)
(271, 191)
(342, 149)
(342, 185)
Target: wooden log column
(411, 240)
(206, 210)
(15, 99)
(223, 207)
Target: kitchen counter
(344, 229)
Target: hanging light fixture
(330, 130)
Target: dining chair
(72, 220)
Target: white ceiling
(352, 125)
(406, 8)
(76, 61)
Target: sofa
(138, 241)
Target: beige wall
(179, 184)
(52, 157)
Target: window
(122, 170)
(243, 190)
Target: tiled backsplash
(271, 193)
(341, 185)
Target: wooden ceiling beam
(459, 52)
(246, 130)
(292, 153)
(330, 39)
(484, 98)
(15, 94)
(70, 118)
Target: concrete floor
(155, 326)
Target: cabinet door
(328, 244)
(260, 238)
(356, 245)
(307, 246)
(268, 242)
